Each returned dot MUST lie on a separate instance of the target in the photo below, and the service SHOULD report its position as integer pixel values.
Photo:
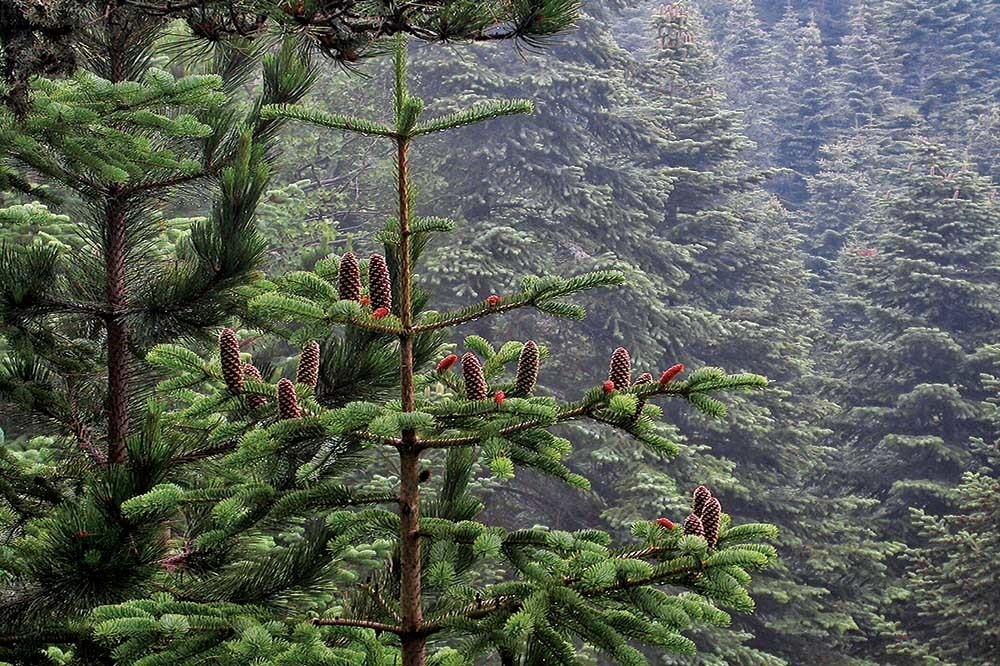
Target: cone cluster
(288, 402)
(379, 284)
(349, 278)
(706, 516)
(308, 370)
(527, 368)
(475, 380)
(232, 367)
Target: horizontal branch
(363, 624)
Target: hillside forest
(510, 332)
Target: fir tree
(438, 578)
(952, 579)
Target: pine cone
(308, 371)
(349, 278)
(701, 497)
(527, 368)
(379, 285)
(711, 518)
(250, 371)
(644, 378)
(475, 382)
(620, 370)
(288, 402)
(693, 526)
(232, 367)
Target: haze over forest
(802, 190)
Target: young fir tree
(265, 552)
(658, 120)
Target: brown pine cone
(693, 526)
(250, 371)
(379, 284)
(308, 370)
(711, 518)
(232, 367)
(288, 402)
(620, 369)
(349, 278)
(475, 382)
(527, 368)
(701, 497)
(644, 378)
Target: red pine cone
(527, 368)
(349, 278)
(232, 367)
(255, 401)
(288, 402)
(492, 300)
(475, 382)
(711, 518)
(379, 284)
(693, 526)
(499, 397)
(446, 363)
(380, 313)
(665, 522)
(308, 371)
(671, 372)
(620, 368)
(700, 499)
(608, 386)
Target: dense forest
(515, 332)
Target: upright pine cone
(232, 367)
(288, 402)
(700, 499)
(711, 518)
(379, 285)
(644, 378)
(308, 371)
(693, 526)
(349, 278)
(527, 368)
(255, 401)
(620, 369)
(475, 382)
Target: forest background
(803, 190)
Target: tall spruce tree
(264, 556)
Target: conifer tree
(264, 561)
(114, 143)
(805, 103)
(915, 323)
(952, 579)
